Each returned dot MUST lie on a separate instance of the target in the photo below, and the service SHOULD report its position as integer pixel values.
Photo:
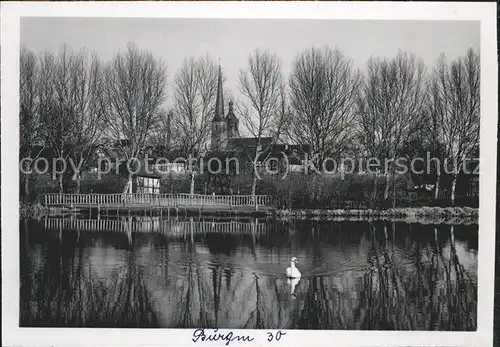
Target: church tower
(218, 123)
(232, 123)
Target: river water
(192, 273)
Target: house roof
(294, 153)
(143, 169)
(240, 143)
(248, 145)
(290, 149)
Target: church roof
(240, 143)
(219, 101)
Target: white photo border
(10, 46)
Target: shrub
(39, 185)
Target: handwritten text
(199, 335)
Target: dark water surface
(191, 273)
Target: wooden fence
(75, 200)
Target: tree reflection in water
(318, 311)
(66, 292)
(363, 276)
(189, 290)
(434, 293)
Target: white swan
(292, 271)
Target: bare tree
(135, 84)
(30, 130)
(58, 105)
(434, 123)
(195, 92)
(161, 134)
(263, 112)
(391, 107)
(70, 107)
(323, 86)
(89, 115)
(456, 104)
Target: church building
(224, 127)
(225, 136)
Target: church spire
(219, 102)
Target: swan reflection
(292, 283)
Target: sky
(231, 40)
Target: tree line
(77, 105)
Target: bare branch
(323, 87)
(391, 104)
(455, 108)
(263, 111)
(195, 90)
(135, 84)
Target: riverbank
(38, 211)
(423, 215)
(430, 215)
